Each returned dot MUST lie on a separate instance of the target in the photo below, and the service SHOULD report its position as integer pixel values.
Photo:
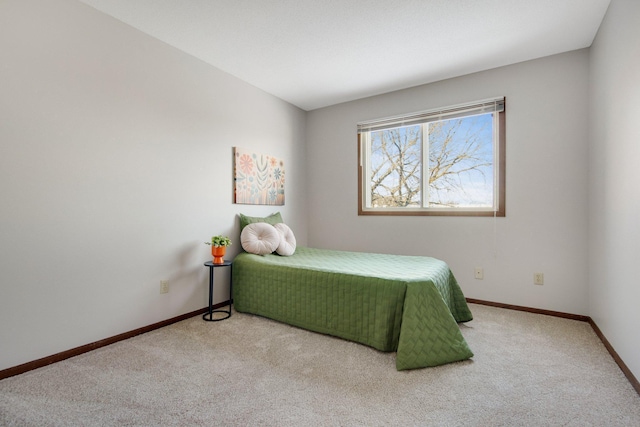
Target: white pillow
(287, 245)
(260, 238)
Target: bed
(408, 304)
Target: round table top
(226, 263)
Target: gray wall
(545, 228)
(614, 195)
(115, 166)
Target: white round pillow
(260, 238)
(287, 246)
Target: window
(448, 161)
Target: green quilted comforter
(408, 304)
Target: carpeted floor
(528, 370)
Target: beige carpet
(528, 370)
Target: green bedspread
(407, 304)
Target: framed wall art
(258, 178)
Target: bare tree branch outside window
(459, 164)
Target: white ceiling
(315, 53)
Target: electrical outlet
(538, 279)
(164, 286)
(478, 273)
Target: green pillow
(272, 219)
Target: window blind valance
(494, 105)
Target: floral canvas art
(259, 178)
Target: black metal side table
(212, 267)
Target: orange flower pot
(218, 254)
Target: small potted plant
(219, 248)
